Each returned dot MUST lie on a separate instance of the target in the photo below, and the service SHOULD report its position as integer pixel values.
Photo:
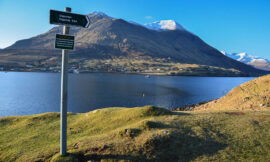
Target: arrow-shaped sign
(66, 18)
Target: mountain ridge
(110, 38)
(255, 61)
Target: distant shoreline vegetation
(135, 73)
(144, 67)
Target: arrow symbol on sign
(70, 19)
(88, 21)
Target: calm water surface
(24, 93)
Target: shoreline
(188, 108)
(135, 73)
(191, 106)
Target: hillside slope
(109, 38)
(252, 95)
(139, 134)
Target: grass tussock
(139, 134)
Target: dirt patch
(189, 107)
(130, 132)
(235, 113)
(98, 149)
(263, 116)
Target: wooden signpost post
(65, 42)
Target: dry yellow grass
(252, 95)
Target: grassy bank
(145, 133)
(252, 95)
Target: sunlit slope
(141, 134)
(110, 38)
(252, 95)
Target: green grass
(142, 134)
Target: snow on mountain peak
(259, 61)
(99, 14)
(164, 25)
(256, 61)
(243, 57)
(224, 53)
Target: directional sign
(64, 42)
(67, 18)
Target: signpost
(67, 18)
(65, 42)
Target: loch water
(26, 93)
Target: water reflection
(31, 93)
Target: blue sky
(230, 25)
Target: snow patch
(243, 57)
(263, 61)
(164, 25)
(97, 13)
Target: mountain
(255, 61)
(123, 43)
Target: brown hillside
(252, 95)
(110, 38)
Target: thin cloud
(148, 17)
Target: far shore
(139, 73)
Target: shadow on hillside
(180, 113)
(174, 148)
(177, 143)
(181, 147)
(97, 158)
(182, 143)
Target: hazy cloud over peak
(148, 17)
